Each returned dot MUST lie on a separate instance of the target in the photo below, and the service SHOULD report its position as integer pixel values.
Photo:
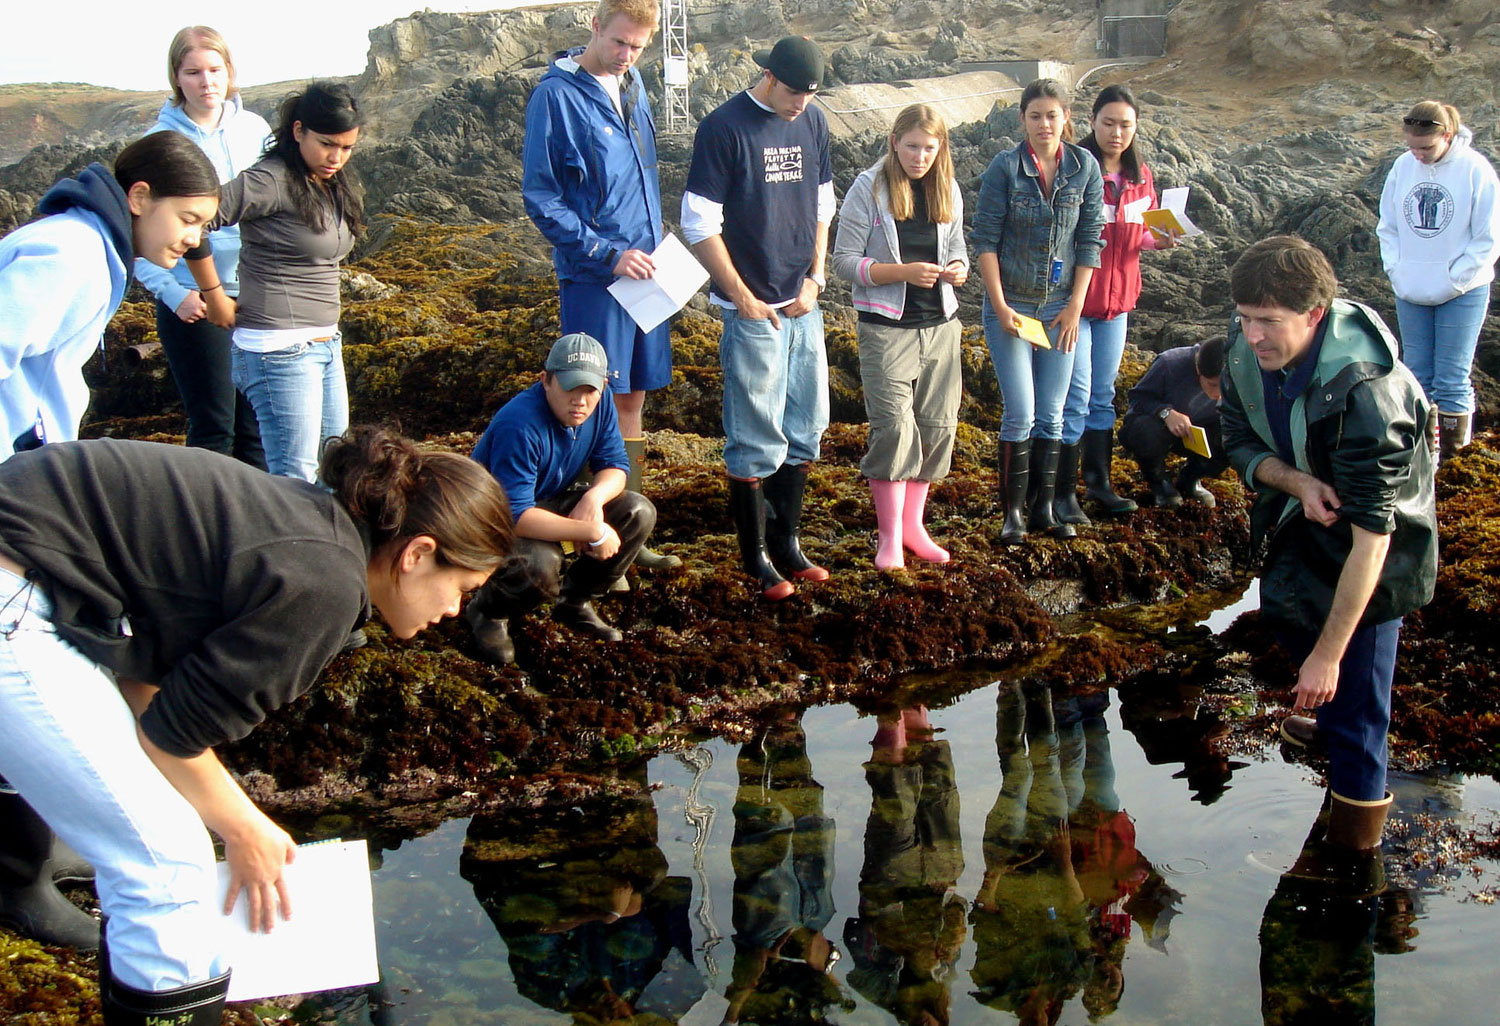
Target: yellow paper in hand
(1033, 331)
(1197, 441)
(1163, 223)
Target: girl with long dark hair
(299, 213)
(1036, 240)
(1089, 413)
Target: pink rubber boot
(889, 496)
(913, 533)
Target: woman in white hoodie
(1439, 239)
(206, 107)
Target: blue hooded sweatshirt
(236, 142)
(61, 279)
(589, 179)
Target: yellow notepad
(1197, 441)
(1163, 223)
(1032, 331)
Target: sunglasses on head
(1421, 123)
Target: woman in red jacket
(1089, 414)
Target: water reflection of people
(782, 854)
(905, 940)
(1063, 878)
(592, 923)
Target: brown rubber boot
(1357, 824)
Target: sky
(125, 45)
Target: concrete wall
(965, 97)
(1027, 71)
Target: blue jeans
(1096, 364)
(775, 392)
(1438, 342)
(1033, 382)
(300, 399)
(1358, 718)
(68, 745)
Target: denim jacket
(1027, 231)
(867, 235)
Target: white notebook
(328, 943)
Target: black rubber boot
(578, 613)
(783, 491)
(1065, 508)
(748, 509)
(491, 636)
(1015, 475)
(197, 1004)
(1097, 448)
(646, 559)
(1190, 488)
(30, 903)
(1162, 492)
(1044, 453)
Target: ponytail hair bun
(399, 491)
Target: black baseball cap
(796, 62)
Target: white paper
(1175, 200)
(649, 301)
(328, 943)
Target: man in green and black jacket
(1327, 427)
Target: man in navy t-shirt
(536, 447)
(756, 210)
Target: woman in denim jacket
(1036, 236)
(900, 243)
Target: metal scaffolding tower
(674, 51)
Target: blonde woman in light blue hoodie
(900, 243)
(206, 107)
(1439, 239)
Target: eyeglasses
(1421, 123)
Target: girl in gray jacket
(900, 243)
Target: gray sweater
(289, 273)
(867, 235)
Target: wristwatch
(818, 280)
(1164, 414)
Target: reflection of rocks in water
(593, 925)
(1063, 878)
(782, 854)
(906, 938)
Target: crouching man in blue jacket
(537, 447)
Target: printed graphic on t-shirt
(782, 163)
(1428, 209)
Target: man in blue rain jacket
(589, 184)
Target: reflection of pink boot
(914, 721)
(913, 533)
(889, 497)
